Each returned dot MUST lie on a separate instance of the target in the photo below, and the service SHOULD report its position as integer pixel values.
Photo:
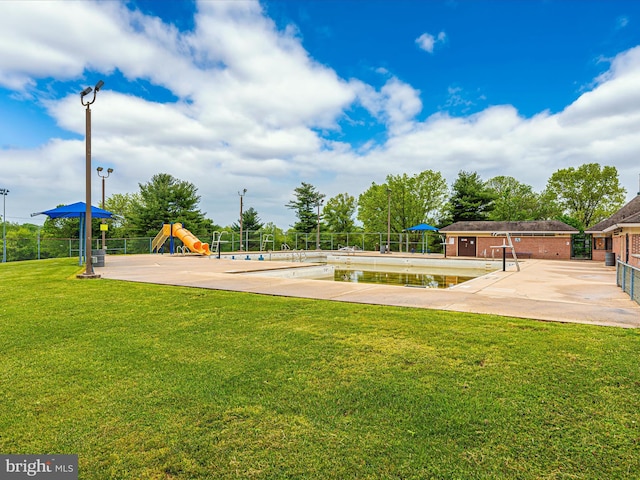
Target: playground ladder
(159, 240)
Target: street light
(244, 191)
(87, 223)
(100, 174)
(319, 203)
(4, 192)
(388, 220)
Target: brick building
(546, 239)
(619, 235)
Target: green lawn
(156, 382)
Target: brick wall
(620, 248)
(552, 248)
(634, 241)
(556, 248)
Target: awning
(422, 228)
(75, 210)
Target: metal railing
(40, 247)
(628, 278)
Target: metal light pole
(388, 220)
(87, 223)
(103, 177)
(244, 191)
(4, 192)
(320, 202)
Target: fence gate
(581, 246)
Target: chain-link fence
(38, 247)
(629, 280)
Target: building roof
(535, 226)
(630, 213)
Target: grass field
(156, 382)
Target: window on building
(602, 243)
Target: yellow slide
(185, 236)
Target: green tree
(339, 212)
(373, 207)
(548, 208)
(512, 200)
(61, 228)
(166, 199)
(250, 221)
(305, 205)
(471, 199)
(589, 193)
(21, 241)
(122, 205)
(416, 199)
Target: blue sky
(336, 93)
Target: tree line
(579, 196)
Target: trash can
(610, 259)
(98, 257)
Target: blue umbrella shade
(76, 210)
(422, 227)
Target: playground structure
(170, 231)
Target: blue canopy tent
(77, 210)
(423, 227)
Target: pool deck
(551, 290)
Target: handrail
(267, 238)
(628, 279)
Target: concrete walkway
(562, 291)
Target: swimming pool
(410, 271)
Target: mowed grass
(156, 382)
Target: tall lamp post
(244, 191)
(388, 220)
(320, 202)
(4, 192)
(87, 223)
(103, 177)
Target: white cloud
(250, 103)
(427, 42)
(621, 22)
(396, 104)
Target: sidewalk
(562, 291)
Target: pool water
(410, 279)
(401, 271)
(425, 280)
